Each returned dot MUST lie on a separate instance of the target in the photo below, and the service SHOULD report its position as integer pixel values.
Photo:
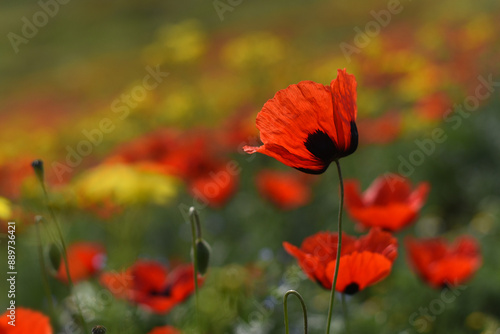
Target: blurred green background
(423, 62)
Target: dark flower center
(324, 148)
(351, 288)
(165, 292)
(321, 146)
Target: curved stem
(339, 246)
(285, 308)
(346, 317)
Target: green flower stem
(339, 246)
(285, 308)
(41, 258)
(64, 255)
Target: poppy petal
(378, 241)
(359, 270)
(345, 111)
(311, 265)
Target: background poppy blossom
(150, 284)
(287, 190)
(309, 125)
(27, 322)
(363, 261)
(441, 264)
(164, 330)
(388, 203)
(191, 156)
(85, 259)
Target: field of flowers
(172, 167)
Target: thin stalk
(339, 246)
(64, 255)
(46, 285)
(285, 308)
(346, 317)
(195, 231)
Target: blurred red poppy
(26, 321)
(151, 285)
(12, 175)
(388, 203)
(287, 190)
(363, 262)
(208, 175)
(309, 125)
(382, 130)
(441, 264)
(85, 259)
(433, 106)
(164, 330)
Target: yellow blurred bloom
(180, 43)
(177, 106)
(479, 31)
(255, 49)
(125, 185)
(5, 208)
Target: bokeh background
(62, 78)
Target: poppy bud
(99, 330)
(203, 251)
(38, 168)
(54, 257)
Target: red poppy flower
(189, 156)
(432, 107)
(164, 330)
(388, 203)
(309, 125)
(26, 322)
(363, 262)
(287, 190)
(440, 264)
(148, 283)
(85, 259)
(215, 187)
(382, 130)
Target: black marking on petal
(165, 292)
(351, 288)
(322, 146)
(354, 140)
(312, 171)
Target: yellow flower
(180, 43)
(255, 49)
(125, 185)
(5, 209)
